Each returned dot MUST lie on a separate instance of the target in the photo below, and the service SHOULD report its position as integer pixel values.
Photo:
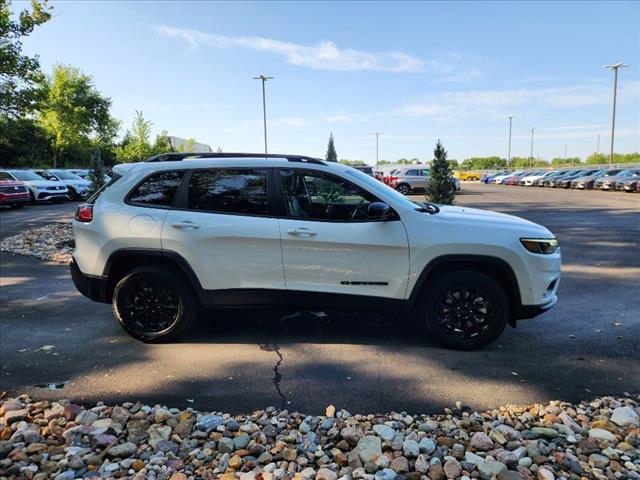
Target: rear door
(224, 228)
(329, 245)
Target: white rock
(624, 416)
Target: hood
(44, 183)
(485, 217)
(78, 183)
(11, 183)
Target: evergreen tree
(331, 156)
(96, 172)
(441, 188)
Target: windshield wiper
(426, 207)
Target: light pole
(510, 117)
(598, 151)
(377, 134)
(613, 115)
(531, 157)
(264, 107)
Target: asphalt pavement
(240, 360)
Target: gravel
(53, 242)
(597, 439)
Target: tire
(403, 188)
(73, 195)
(448, 289)
(166, 286)
(32, 197)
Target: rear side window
(157, 190)
(229, 191)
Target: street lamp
(531, 157)
(377, 134)
(613, 115)
(264, 107)
(510, 117)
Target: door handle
(301, 232)
(185, 225)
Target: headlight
(545, 246)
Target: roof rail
(178, 156)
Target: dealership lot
(238, 361)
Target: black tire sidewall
(404, 187)
(189, 308)
(451, 280)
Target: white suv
(184, 231)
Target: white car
(499, 178)
(184, 231)
(77, 186)
(529, 179)
(41, 190)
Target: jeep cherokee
(181, 232)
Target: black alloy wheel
(464, 310)
(404, 189)
(154, 305)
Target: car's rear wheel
(154, 305)
(464, 310)
(403, 188)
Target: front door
(330, 245)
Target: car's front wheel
(464, 310)
(404, 189)
(154, 305)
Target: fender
(491, 263)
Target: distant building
(183, 145)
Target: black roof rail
(178, 156)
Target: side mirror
(378, 211)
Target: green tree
(136, 145)
(453, 163)
(20, 74)
(23, 143)
(441, 188)
(558, 162)
(332, 155)
(74, 114)
(353, 163)
(96, 171)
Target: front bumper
(52, 195)
(14, 199)
(531, 311)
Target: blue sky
(414, 71)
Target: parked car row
(409, 179)
(621, 179)
(18, 187)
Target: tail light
(84, 213)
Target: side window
(157, 190)
(425, 172)
(412, 173)
(229, 191)
(316, 196)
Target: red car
(12, 192)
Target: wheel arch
(495, 267)
(123, 261)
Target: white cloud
(324, 55)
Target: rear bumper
(89, 286)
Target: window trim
(393, 215)
(181, 200)
(127, 198)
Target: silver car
(409, 179)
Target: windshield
(64, 175)
(25, 176)
(378, 186)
